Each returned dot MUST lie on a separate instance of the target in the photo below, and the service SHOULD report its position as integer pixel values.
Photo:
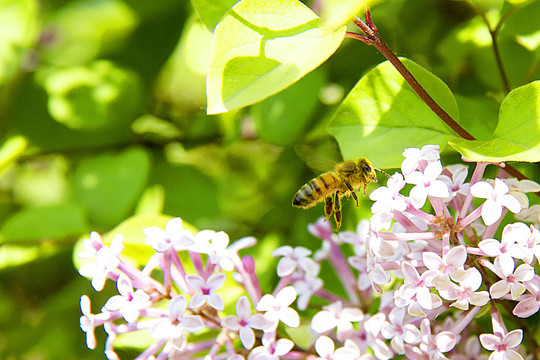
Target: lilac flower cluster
(422, 270)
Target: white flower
(271, 349)
(387, 198)
(277, 308)
(293, 259)
(419, 158)
(502, 345)
(399, 331)
(174, 236)
(106, 261)
(87, 322)
(129, 303)
(335, 315)
(173, 326)
(496, 197)
(206, 290)
(449, 266)
(305, 288)
(456, 184)
(465, 294)
(245, 322)
(326, 349)
(427, 184)
(512, 282)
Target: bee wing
(320, 157)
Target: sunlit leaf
(517, 136)
(339, 12)
(211, 11)
(260, 48)
(11, 149)
(382, 115)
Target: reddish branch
(371, 37)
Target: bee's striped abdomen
(314, 191)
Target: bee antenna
(382, 172)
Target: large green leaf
(108, 186)
(35, 224)
(383, 115)
(517, 136)
(260, 48)
(282, 117)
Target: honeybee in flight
(347, 177)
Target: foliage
(105, 123)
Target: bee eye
(367, 167)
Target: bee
(347, 177)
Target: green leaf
(282, 117)
(93, 97)
(85, 29)
(47, 222)
(517, 136)
(18, 31)
(211, 11)
(382, 115)
(11, 150)
(108, 186)
(260, 48)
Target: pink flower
(507, 250)
(496, 198)
(416, 286)
(502, 345)
(512, 282)
(399, 330)
(449, 266)
(245, 322)
(529, 303)
(436, 345)
(466, 293)
(206, 290)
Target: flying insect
(347, 177)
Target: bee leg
(328, 208)
(352, 192)
(337, 210)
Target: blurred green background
(102, 118)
